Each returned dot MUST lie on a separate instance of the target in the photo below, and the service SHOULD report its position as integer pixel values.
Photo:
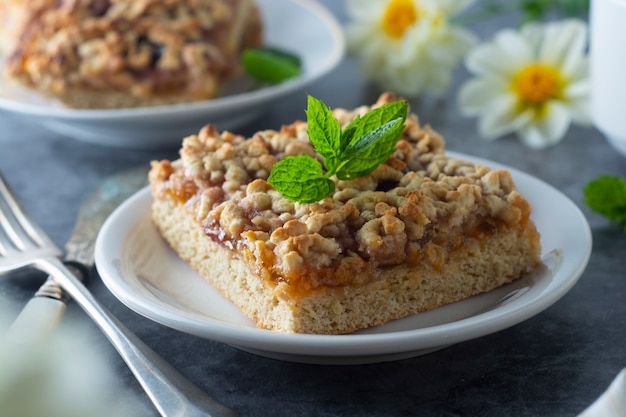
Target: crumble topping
(414, 209)
(144, 47)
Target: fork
(24, 244)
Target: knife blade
(43, 312)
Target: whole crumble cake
(423, 230)
(126, 53)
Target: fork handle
(170, 392)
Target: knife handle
(42, 314)
(37, 320)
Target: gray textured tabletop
(553, 364)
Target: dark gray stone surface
(554, 364)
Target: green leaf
(366, 153)
(534, 9)
(270, 65)
(300, 178)
(573, 7)
(324, 131)
(348, 133)
(283, 55)
(531, 10)
(607, 196)
(380, 116)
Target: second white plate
(141, 270)
(303, 27)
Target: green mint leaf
(378, 117)
(270, 64)
(366, 153)
(283, 55)
(607, 196)
(348, 132)
(324, 131)
(300, 178)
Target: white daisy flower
(407, 46)
(534, 82)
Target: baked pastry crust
(423, 230)
(127, 53)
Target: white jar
(608, 70)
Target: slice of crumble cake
(126, 53)
(421, 231)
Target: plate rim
(220, 104)
(355, 345)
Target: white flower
(407, 46)
(534, 82)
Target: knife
(42, 314)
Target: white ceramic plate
(141, 270)
(300, 26)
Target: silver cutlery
(23, 243)
(43, 312)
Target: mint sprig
(606, 195)
(348, 153)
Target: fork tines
(18, 232)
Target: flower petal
(580, 89)
(574, 59)
(564, 44)
(438, 81)
(476, 94)
(451, 7)
(501, 117)
(554, 44)
(579, 70)
(549, 130)
(578, 103)
(531, 136)
(533, 33)
(502, 57)
(364, 10)
(580, 112)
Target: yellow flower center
(399, 15)
(538, 83)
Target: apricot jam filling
(181, 190)
(429, 253)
